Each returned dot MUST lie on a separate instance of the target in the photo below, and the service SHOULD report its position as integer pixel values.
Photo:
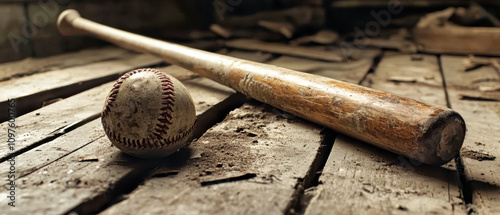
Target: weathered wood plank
(56, 187)
(359, 178)
(205, 93)
(80, 168)
(30, 66)
(31, 92)
(481, 150)
(414, 76)
(252, 139)
(33, 127)
(40, 123)
(36, 83)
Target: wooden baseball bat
(426, 133)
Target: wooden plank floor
(247, 157)
(481, 151)
(370, 180)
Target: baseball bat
(426, 133)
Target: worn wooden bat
(425, 133)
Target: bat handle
(65, 20)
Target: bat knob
(65, 22)
(444, 138)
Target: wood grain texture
(481, 151)
(31, 66)
(252, 139)
(415, 76)
(21, 87)
(416, 130)
(39, 124)
(32, 93)
(46, 120)
(78, 169)
(66, 176)
(360, 179)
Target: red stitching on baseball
(164, 120)
(115, 89)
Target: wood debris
(324, 37)
(482, 96)
(471, 63)
(435, 33)
(438, 18)
(476, 155)
(284, 49)
(404, 46)
(284, 28)
(490, 88)
(399, 41)
(221, 31)
(404, 79)
(227, 177)
(300, 16)
(90, 158)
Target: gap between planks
(71, 162)
(360, 178)
(248, 191)
(481, 149)
(251, 140)
(205, 93)
(32, 92)
(30, 66)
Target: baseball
(148, 114)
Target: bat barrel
(426, 133)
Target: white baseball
(148, 114)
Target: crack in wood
(147, 168)
(365, 80)
(465, 186)
(119, 190)
(28, 103)
(228, 179)
(484, 98)
(299, 200)
(71, 152)
(52, 136)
